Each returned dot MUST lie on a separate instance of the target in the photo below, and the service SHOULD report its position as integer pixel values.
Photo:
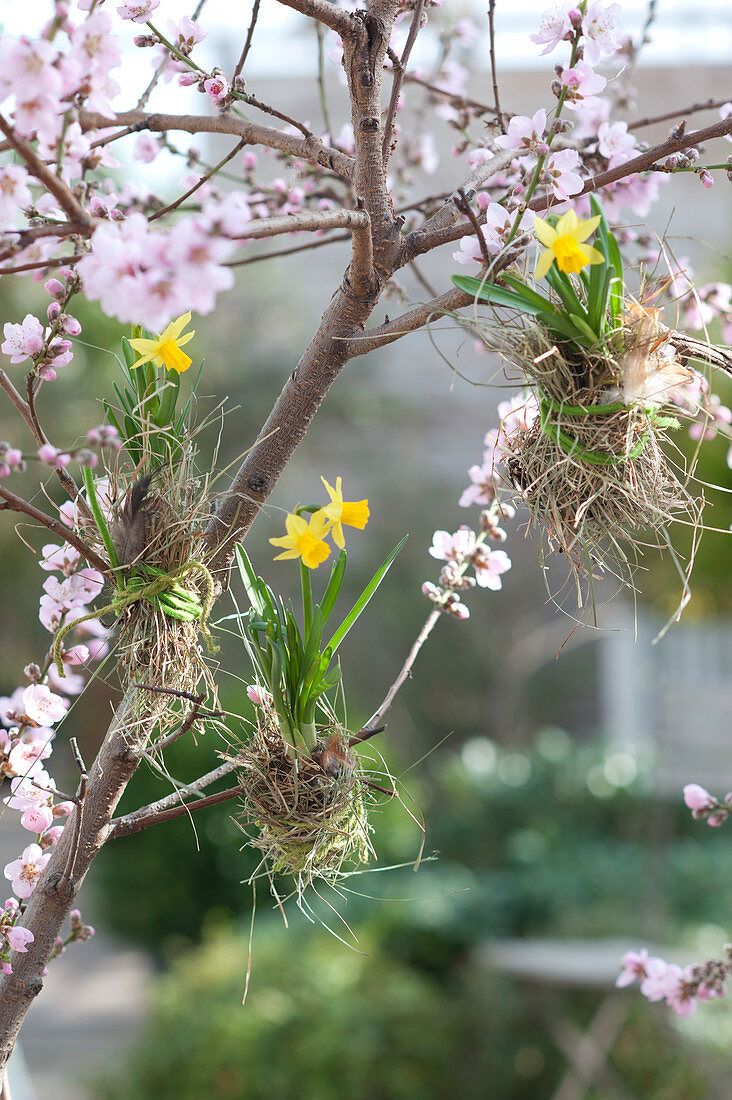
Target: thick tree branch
(308, 221)
(14, 503)
(349, 308)
(54, 896)
(312, 150)
(325, 12)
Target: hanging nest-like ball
(593, 466)
(308, 820)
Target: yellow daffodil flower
(353, 514)
(165, 351)
(564, 244)
(305, 540)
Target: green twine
(572, 447)
(181, 605)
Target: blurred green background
(535, 825)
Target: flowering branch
(313, 149)
(17, 504)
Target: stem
(406, 670)
(99, 519)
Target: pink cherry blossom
(231, 215)
(25, 871)
(146, 148)
(18, 938)
(139, 12)
(185, 32)
(24, 758)
(525, 135)
(456, 547)
(42, 706)
(697, 798)
(77, 590)
(633, 966)
(614, 141)
(27, 791)
(598, 27)
(23, 341)
(555, 25)
(96, 48)
(724, 112)
(217, 87)
(482, 489)
(661, 979)
(489, 566)
(15, 194)
(64, 558)
(583, 84)
(258, 696)
(518, 413)
(37, 819)
(560, 172)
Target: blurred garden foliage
(549, 842)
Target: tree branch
(309, 221)
(63, 195)
(149, 815)
(325, 12)
(312, 150)
(400, 66)
(16, 504)
(434, 233)
(248, 42)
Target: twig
(68, 872)
(400, 67)
(312, 150)
(406, 670)
(211, 172)
(16, 504)
(307, 221)
(321, 80)
(318, 243)
(151, 815)
(175, 811)
(59, 261)
(494, 75)
(254, 102)
(709, 105)
(248, 43)
(66, 200)
(459, 101)
(470, 213)
(422, 279)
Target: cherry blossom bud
(186, 79)
(55, 289)
(556, 88)
(249, 162)
(698, 798)
(62, 809)
(50, 837)
(431, 591)
(143, 40)
(53, 312)
(33, 673)
(85, 457)
(562, 126)
(70, 325)
(75, 921)
(706, 179)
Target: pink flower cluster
(682, 988)
(27, 721)
(148, 276)
(705, 807)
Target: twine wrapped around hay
(305, 822)
(593, 468)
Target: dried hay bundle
(308, 818)
(593, 468)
